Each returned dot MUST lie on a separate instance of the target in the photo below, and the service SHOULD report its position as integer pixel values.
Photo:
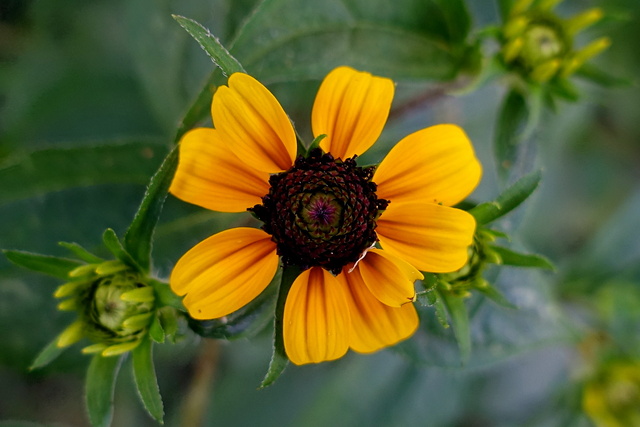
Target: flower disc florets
(322, 212)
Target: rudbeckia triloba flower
(359, 235)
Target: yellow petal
(430, 237)
(225, 272)
(316, 318)
(388, 277)
(436, 165)
(253, 124)
(375, 325)
(351, 108)
(211, 176)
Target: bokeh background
(91, 94)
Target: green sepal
(99, 388)
(113, 244)
(156, 331)
(512, 120)
(494, 295)
(81, 252)
(211, 45)
(165, 296)
(432, 298)
(511, 198)
(139, 235)
(47, 355)
(51, 265)
(460, 323)
(316, 142)
(169, 322)
(516, 259)
(242, 323)
(599, 76)
(146, 381)
(279, 358)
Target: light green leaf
(112, 242)
(512, 121)
(138, 237)
(100, 385)
(47, 355)
(54, 266)
(460, 323)
(146, 382)
(509, 257)
(510, 199)
(81, 252)
(53, 169)
(210, 44)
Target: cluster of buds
(539, 44)
(115, 307)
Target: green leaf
(510, 199)
(509, 257)
(512, 121)
(460, 323)
(54, 169)
(210, 44)
(47, 355)
(146, 382)
(81, 253)
(504, 7)
(112, 242)
(601, 77)
(165, 296)
(138, 237)
(279, 358)
(455, 15)
(100, 385)
(495, 295)
(201, 106)
(54, 266)
(156, 332)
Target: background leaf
(512, 121)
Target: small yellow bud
(94, 348)
(138, 321)
(512, 49)
(581, 21)
(545, 71)
(111, 267)
(70, 288)
(71, 335)
(83, 270)
(68, 305)
(139, 295)
(548, 4)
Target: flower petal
(253, 124)
(225, 272)
(316, 318)
(436, 165)
(351, 108)
(375, 325)
(431, 237)
(211, 176)
(388, 277)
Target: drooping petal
(430, 237)
(211, 176)
(375, 325)
(225, 272)
(316, 318)
(253, 124)
(389, 278)
(436, 165)
(351, 108)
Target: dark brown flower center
(322, 212)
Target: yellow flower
(323, 213)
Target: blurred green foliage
(91, 94)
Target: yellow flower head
(323, 213)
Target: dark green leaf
(457, 19)
(47, 355)
(512, 120)
(53, 169)
(509, 257)
(601, 77)
(510, 199)
(460, 323)
(54, 266)
(201, 106)
(138, 238)
(112, 242)
(210, 44)
(100, 385)
(81, 252)
(146, 382)
(279, 359)
(495, 295)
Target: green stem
(279, 359)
